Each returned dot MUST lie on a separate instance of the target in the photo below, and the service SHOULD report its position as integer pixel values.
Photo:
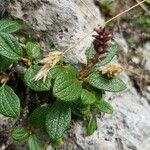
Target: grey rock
(120, 40)
(146, 53)
(59, 23)
(127, 129)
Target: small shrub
(73, 91)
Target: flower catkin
(48, 63)
(101, 42)
(112, 70)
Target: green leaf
(9, 47)
(9, 102)
(97, 92)
(71, 69)
(34, 143)
(92, 125)
(38, 117)
(4, 63)
(109, 56)
(76, 111)
(67, 87)
(36, 85)
(85, 110)
(33, 51)
(108, 84)
(8, 26)
(57, 120)
(55, 71)
(104, 106)
(58, 143)
(20, 134)
(90, 52)
(87, 98)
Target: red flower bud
(101, 41)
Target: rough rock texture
(59, 23)
(5, 128)
(119, 39)
(127, 129)
(146, 52)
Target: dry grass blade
(127, 10)
(144, 7)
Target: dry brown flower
(48, 63)
(112, 70)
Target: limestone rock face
(147, 55)
(127, 129)
(59, 23)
